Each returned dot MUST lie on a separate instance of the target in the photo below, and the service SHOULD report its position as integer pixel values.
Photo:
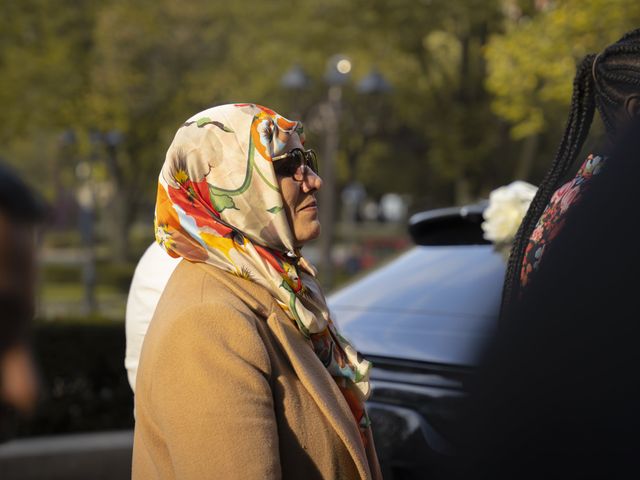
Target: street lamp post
(373, 87)
(337, 75)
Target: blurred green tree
(531, 66)
(44, 72)
(473, 81)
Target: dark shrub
(84, 381)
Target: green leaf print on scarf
(247, 179)
(201, 122)
(222, 202)
(242, 188)
(294, 311)
(262, 176)
(266, 180)
(275, 209)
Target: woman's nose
(311, 182)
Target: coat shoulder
(194, 284)
(200, 309)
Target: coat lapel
(321, 386)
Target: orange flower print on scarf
(169, 234)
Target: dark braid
(617, 73)
(602, 81)
(578, 124)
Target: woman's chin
(310, 231)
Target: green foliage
(84, 388)
(62, 274)
(44, 63)
(531, 67)
(108, 274)
(142, 68)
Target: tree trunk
(119, 229)
(462, 191)
(331, 116)
(527, 157)
(118, 222)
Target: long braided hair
(602, 81)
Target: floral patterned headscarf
(219, 203)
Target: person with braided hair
(556, 392)
(608, 82)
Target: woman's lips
(313, 205)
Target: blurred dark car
(422, 320)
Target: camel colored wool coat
(228, 388)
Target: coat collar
(312, 374)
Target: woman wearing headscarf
(243, 373)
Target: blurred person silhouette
(20, 214)
(557, 395)
(608, 82)
(149, 279)
(242, 372)
(558, 392)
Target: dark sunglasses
(296, 164)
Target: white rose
(507, 207)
